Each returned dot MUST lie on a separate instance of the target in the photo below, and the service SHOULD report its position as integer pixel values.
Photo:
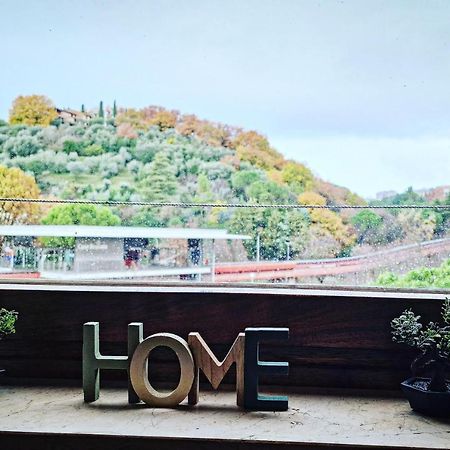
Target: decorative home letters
(215, 370)
(193, 356)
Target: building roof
(116, 232)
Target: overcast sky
(358, 90)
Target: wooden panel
(50, 441)
(335, 340)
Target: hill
(155, 154)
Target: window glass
(291, 143)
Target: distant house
(72, 116)
(437, 193)
(385, 195)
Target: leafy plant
(32, 110)
(423, 277)
(433, 342)
(7, 322)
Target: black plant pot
(432, 403)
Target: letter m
(215, 370)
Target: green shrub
(7, 322)
(73, 147)
(92, 150)
(424, 277)
(433, 342)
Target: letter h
(93, 361)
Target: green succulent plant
(7, 322)
(433, 342)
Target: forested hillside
(154, 154)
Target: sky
(357, 90)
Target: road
(273, 270)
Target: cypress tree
(114, 111)
(100, 110)
(160, 182)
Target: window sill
(36, 417)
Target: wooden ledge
(47, 418)
(270, 290)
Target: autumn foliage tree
(32, 110)
(149, 116)
(163, 119)
(253, 147)
(14, 183)
(326, 221)
(131, 117)
(211, 133)
(297, 176)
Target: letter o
(139, 370)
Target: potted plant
(7, 324)
(428, 391)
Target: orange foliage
(252, 147)
(214, 134)
(32, 110)
(147, 117)
(126, 130)
(14, 183)
(188, 125)
(164, 119)
(231, 160)
(275, 175)
(132, 117)
(311, 198)
(325, 220)
(297, 176)
(337, 194)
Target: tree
(14, 183)
(418, 226)
(275, 229)
(133, 117)
(114, 111)
(76, 214)
(126, 130)
(82, 108)
(70, 146)
(368, 224)
(204, 192)
(267, 192)
(147, 217)
(327, 221)
(101, 113)
(337, 195)
(32, 110)
(160, 182)
(92, 150)
(252, 147)
(409, 197)
(297, 176)
(242, 179)
(22, 145)
(312, 198)
(163, 120)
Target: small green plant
(7, 322)
(433, 342)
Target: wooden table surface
(56, 417)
